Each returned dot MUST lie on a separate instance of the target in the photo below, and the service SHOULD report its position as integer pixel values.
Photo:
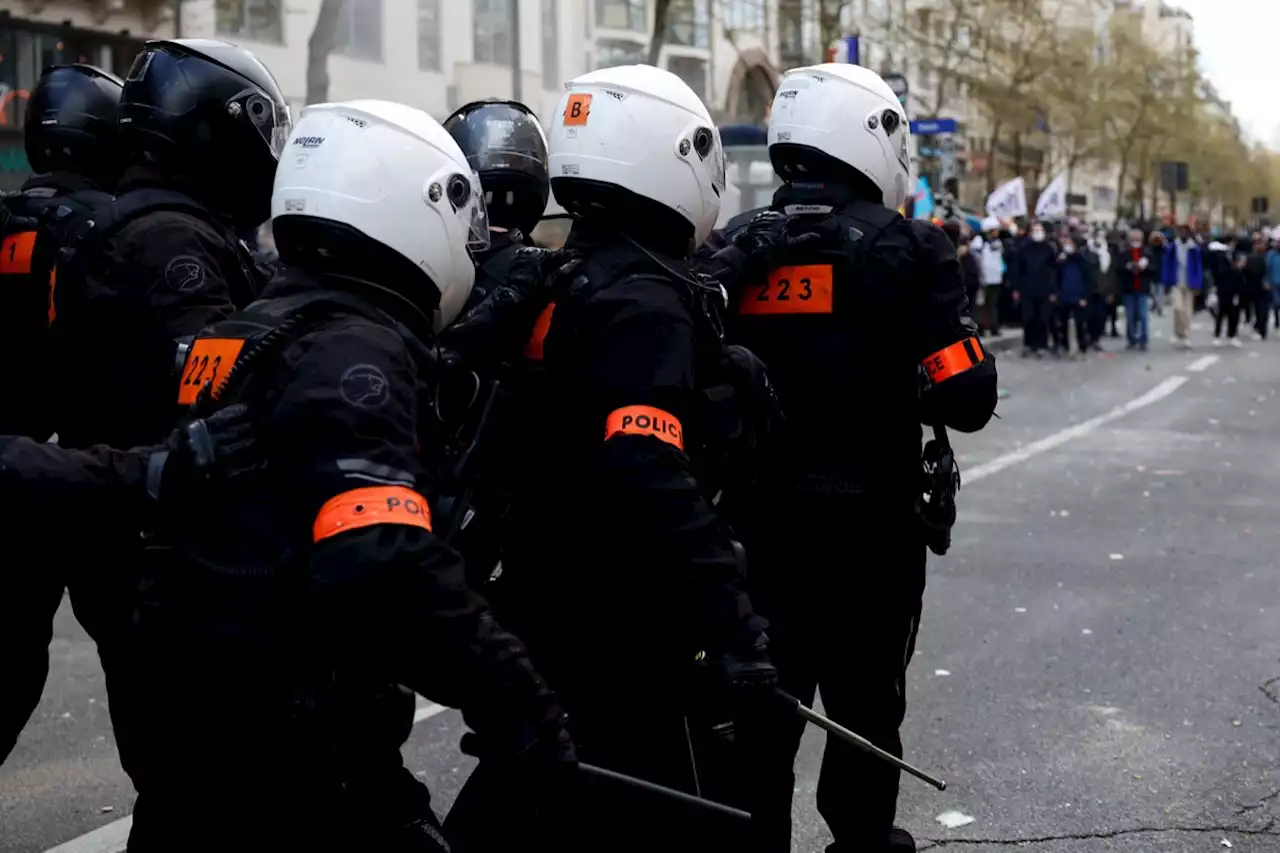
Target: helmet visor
(270, 119)
(467, 199)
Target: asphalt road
(1099, 663)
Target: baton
(663, 791)
(853, 739)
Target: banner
(924, 199)
(1052, 203)
(1009, 200)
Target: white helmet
(642, 129)
(392, 173)
(849, 113)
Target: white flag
(1009, 200)
(1053, 201)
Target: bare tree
(661, 13)
(324, 38)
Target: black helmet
(71, 123)
(210, 108)
(504, 143)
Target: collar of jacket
(813, 198)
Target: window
(257, 20)
(492, 21)
(550, 46)
(360, 29)
(611, 52)
(428, 35)
(688, 22)
(623, 15)
(1104, 197)
(692, 71)
(744, 15)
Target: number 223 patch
(208, 363)
(790, 290)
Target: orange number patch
(208, 363)
(369, 506)
(790, 290)
(15, 253)
(577, 110)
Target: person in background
(1138, 271)
(1034, 273)
(1183, 271)
(1075, 291)
(1256, 285)
(1228, 283)
(987, 250)
(1104, 297)
(1273, 280)
(1156, 241)
(968, 264)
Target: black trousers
(1228, 310)
(1261, 312)
(843, 624)
(1037, 314)
(1064, 316)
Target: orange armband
(957, 358)
(369, 506)
(645, 420)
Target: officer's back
(297, 596)
(70, 139)
(845, 333)
(202, 123)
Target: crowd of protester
(1070, 286)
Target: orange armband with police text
(368, 506)
(957, 358)
(645, 420)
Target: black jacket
(812, 325)
(162, 276)
(1034, 271)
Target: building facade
(433, 54)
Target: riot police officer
(507, 148)
(292, 597)
(835, 544)
(616, 569)
(71, 142)
(70, 136)
(202, 123)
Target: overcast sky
(1238, 42)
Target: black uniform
(836, 556)
(296, 597)
(70, 138)
(504, 144)
(617, 571)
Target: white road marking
(113, 837)
(1035, 448)
(1203, 363)
(105, 839)
(427, 711)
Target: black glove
(499, 326)
(770, 232)
(221, 445)
(542, 764)
(745, 670)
